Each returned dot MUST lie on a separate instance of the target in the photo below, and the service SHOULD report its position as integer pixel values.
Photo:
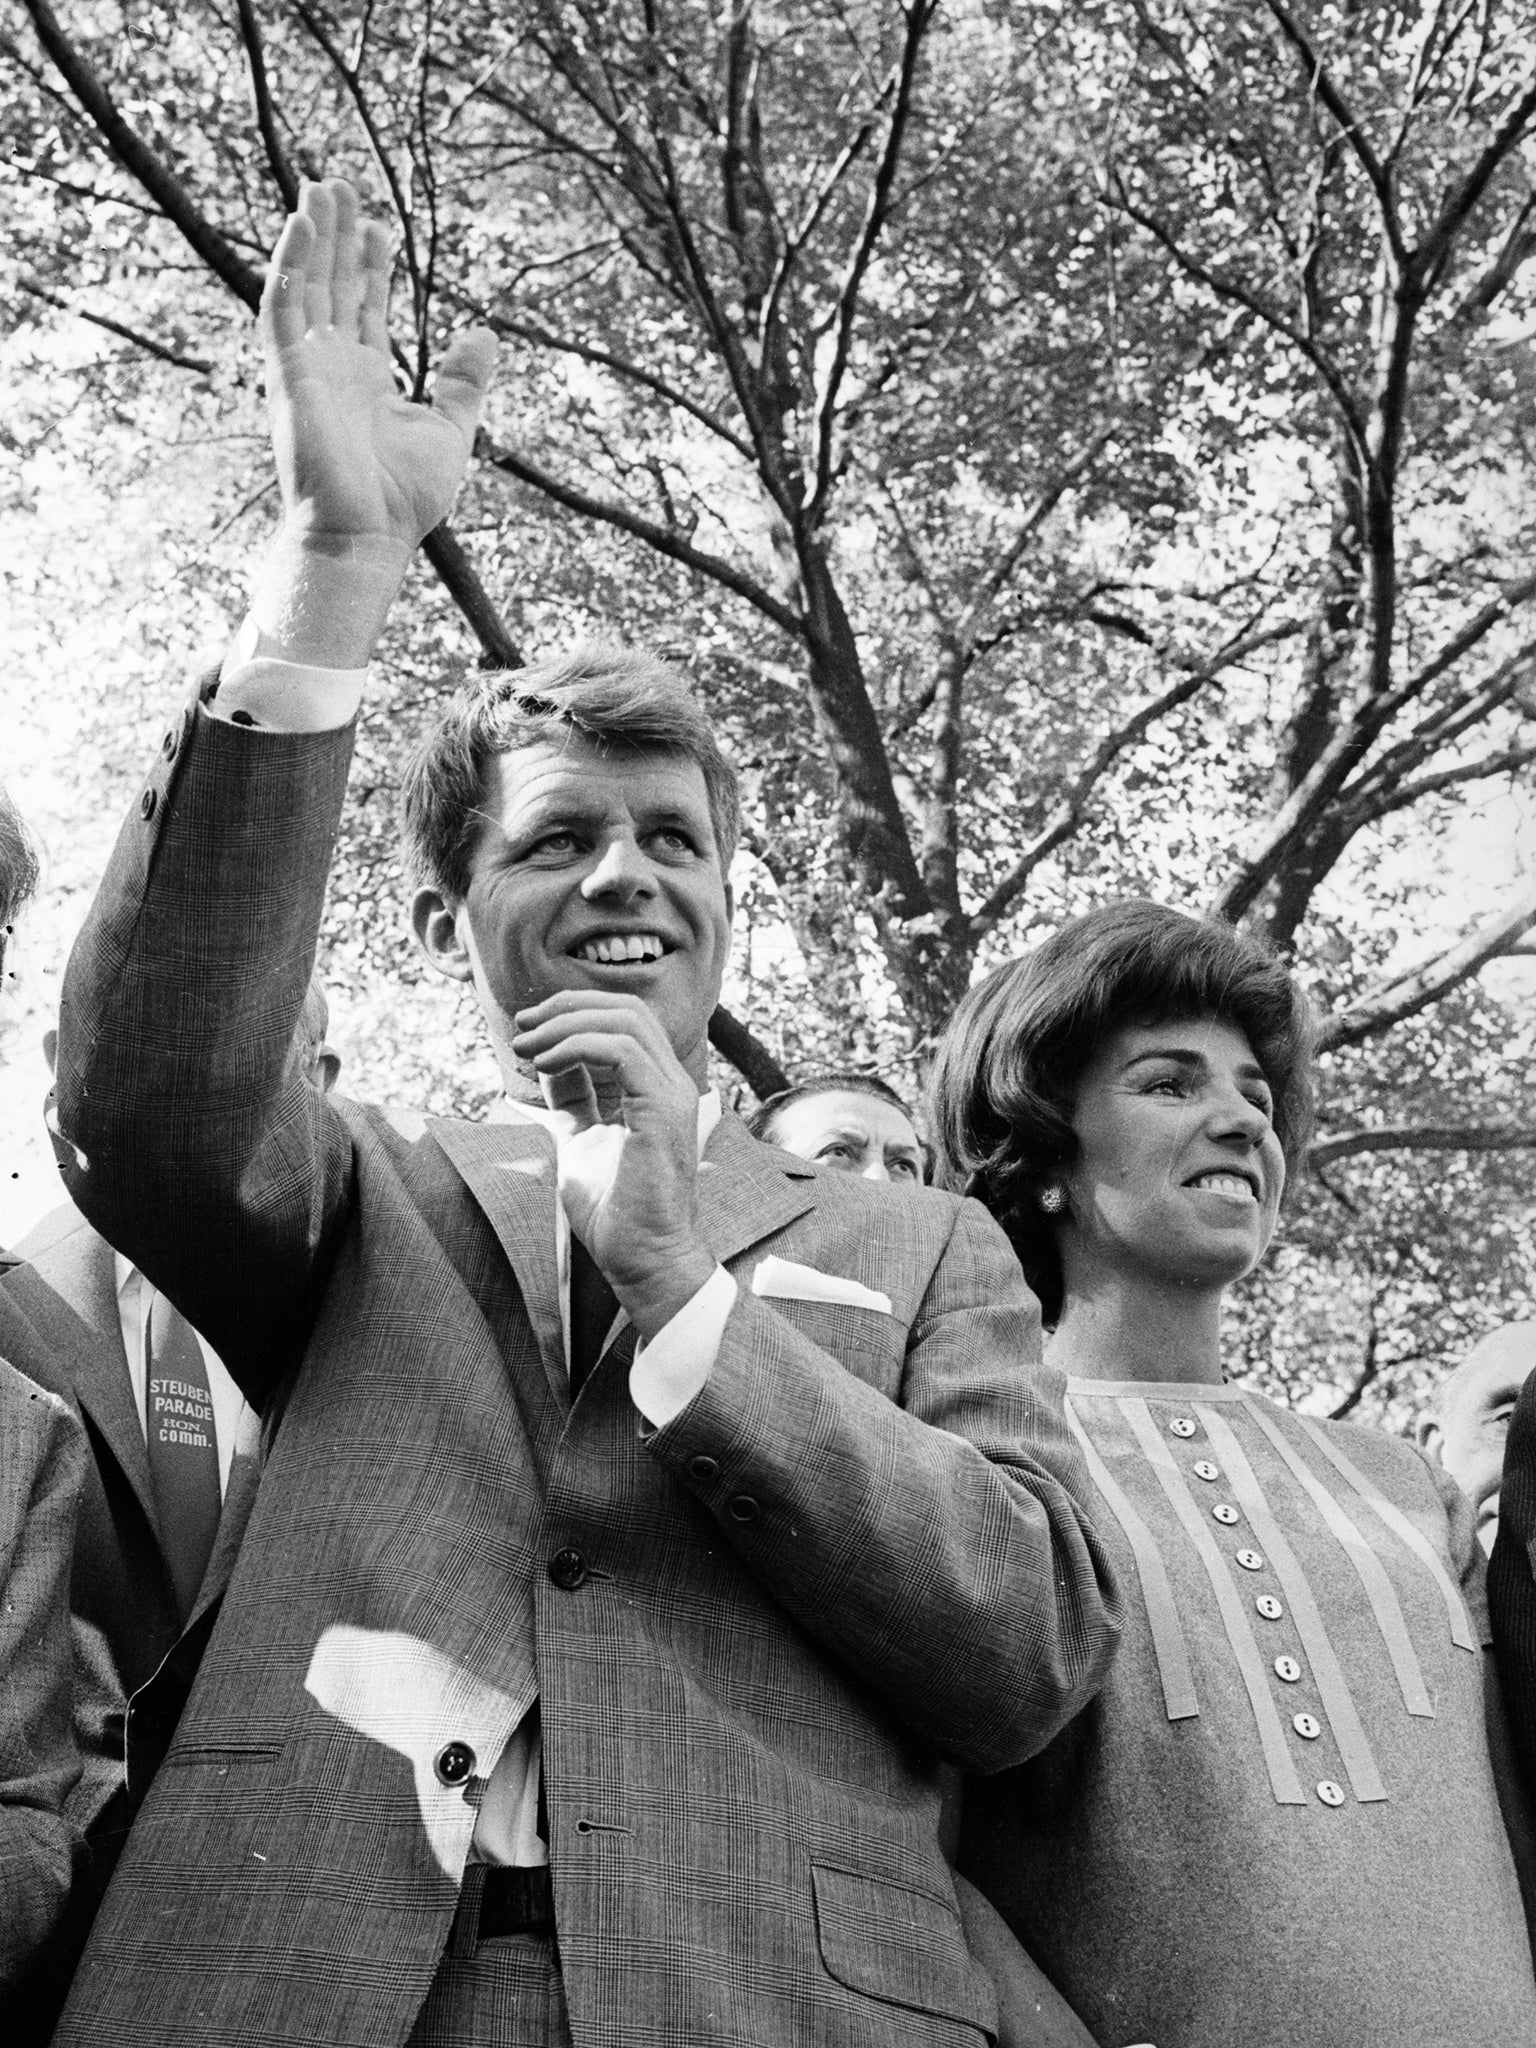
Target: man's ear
(436, 923)
(1428, 1435)
(327, 1070)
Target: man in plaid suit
(647, 1513)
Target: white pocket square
(787, 1280)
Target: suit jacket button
(147, 804)
(453, 1763)
(170, 743)
(743, 1508)
(568, 1569)
(702, 1468)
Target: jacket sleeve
(936, 1544)
(44, 1461)
(1512, 1584)
(183, 1127)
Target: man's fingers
(347, 268)
(282, 298)
(571, 1091)
(319, 202)
(464, 378)
(373, 322)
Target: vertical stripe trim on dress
(1277, 1756)
(1332, 1687)
(1403, 1529)
(1378, 1587)
(1168, 1644)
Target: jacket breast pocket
(218, 1802)
(903, 1946)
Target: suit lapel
(748, 1190)
(510, 1170)
(69, 1287)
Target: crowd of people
(615, 1574)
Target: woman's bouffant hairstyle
(621, 700)
(1003, 1089)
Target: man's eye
(836, 1150)
(1167, 1084)
(555, 843)
(907, 1168)
(673, 839)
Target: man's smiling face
(598, 870)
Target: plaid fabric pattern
(751, 1632)
(1512, 1584)
(42, 1460)
(506, 1994)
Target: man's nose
(876, 1170)
(622, 870)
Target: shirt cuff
(283, 696)
(670, 1370)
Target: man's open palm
(354, 457)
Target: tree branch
(143, 341)
(1349, 127)
(747, 1054)
(1518, 245)
(1239, 295)
(1422, 1138)
(1068, 810)
(140, 161)
(1459, 204)
(1045, 504)
(918, 13)
(266, 118)
(457, 573)
(1504, 762)
(651, 531)
(1289, 828)
(1415, 991)
(542, 337)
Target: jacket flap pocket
(906, 1947)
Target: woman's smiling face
(1179, 1173)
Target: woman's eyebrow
(1181, 1055)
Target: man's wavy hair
(1003, 1088)
(620, 700)
(18, 866)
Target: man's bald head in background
(1470, 1421)
(18, 866)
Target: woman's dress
(1277, 1826)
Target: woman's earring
(1053, 1199)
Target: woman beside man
(1286, 1818)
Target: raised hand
(356, 460)
(629, 1167)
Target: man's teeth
(1223, 1184)
(609, 951)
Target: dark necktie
(183, 1451)
(593, 1308)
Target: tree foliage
(1076, 449)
